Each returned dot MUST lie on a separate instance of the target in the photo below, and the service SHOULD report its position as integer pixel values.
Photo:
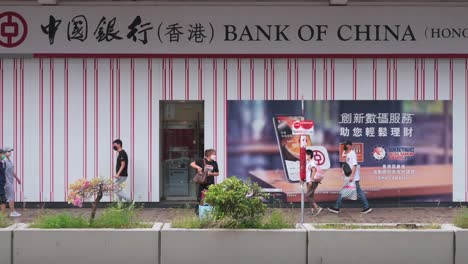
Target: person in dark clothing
(3, 199)
(207, 165)
(121, 169)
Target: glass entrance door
(181, 143)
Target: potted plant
(238, 230)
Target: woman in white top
(312, 181)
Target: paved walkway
(379, 215)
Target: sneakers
(15, 214)
(366, 210)
(316, 212)
(333, 210)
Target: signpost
(304, 129)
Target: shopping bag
(204, 211)
(349, 191)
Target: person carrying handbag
(314, 176)
(352, 187)
(206, 170)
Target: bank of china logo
(379, 153)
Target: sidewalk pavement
(434, 215)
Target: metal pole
(302, 157)
(302, 202)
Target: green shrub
(113, 217)
(118, 217)
(236, 204)
(61, 220)
(4, 222)
(192, 222)
(461, 218)
(277, 220)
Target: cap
(2, 151)
(7, 149)
(348, 143)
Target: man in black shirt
(121, 169)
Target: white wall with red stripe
(61, 115)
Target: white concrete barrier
(388, 246)
(6, 236)
(215, 246)
(84, 246)
(461, 246)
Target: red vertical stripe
(117, 101)
(436, 79)
(15, 122)
(132, 127)
(296, 67)
(272, 75)
(187, 79)
(41, 129)
(325, 79)
(314, 79)
(23, 95)
(265, 74)
(164, 79)
(112, 119)
(85, 117)
(289, 79)
(374, 79)
(200, 79)
(389, 79)
(225, 118)
(239, 79)
(423, 79)
(66, 126)
(416, 82)
(96, 116)
(171, 78)
(332, 77)
(52, 149)
(395, 79)
(252, 80)
(354, 79)
(150, 128)
(215, 105)
(451, 80)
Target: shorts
(10, 192)
(311, 187)
(3, 199)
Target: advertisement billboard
(404, 148)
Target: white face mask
(213, 157)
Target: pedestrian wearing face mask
(351, 160)
(208, 165)
(121, 169)
(10, 176)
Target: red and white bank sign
(305, 127)
(234, 29)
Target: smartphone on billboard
(289, 145)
